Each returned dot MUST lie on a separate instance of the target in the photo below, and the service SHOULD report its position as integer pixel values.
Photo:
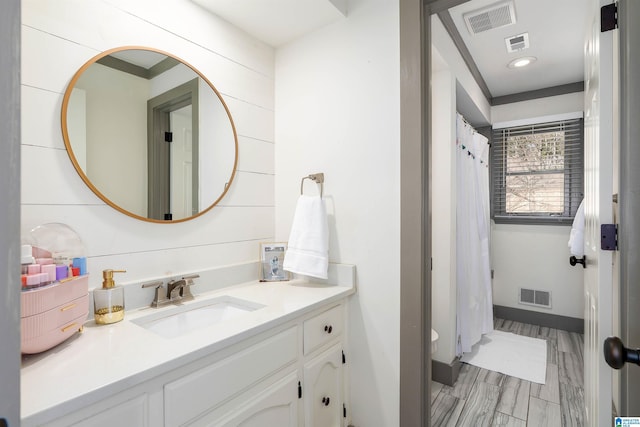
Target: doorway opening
(173, 153)
(524, 256)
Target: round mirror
(149, 134)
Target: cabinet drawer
(45, 330)
(202, 390)
(39, 300)
(322, 328)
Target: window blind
(537, 172)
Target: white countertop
(106, 359)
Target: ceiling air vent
(517, 43)
(494, 16)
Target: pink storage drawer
(39, 300)
(54, 313)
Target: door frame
(158, 153)
(415, 208)
(629, 200)
(415, 236)
(10, 212)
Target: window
(537, 172)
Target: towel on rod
(576, 238)
(308, 246)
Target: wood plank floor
(486, 398)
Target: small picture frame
(271, 259)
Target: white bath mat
(514, 355)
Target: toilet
(434, 341)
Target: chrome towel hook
(318, 178)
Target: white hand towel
(308, 246)
(576, 238)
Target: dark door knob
(573, 261)
(616, 354)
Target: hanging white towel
(576, 238)
(308, 246)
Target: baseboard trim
(444, 373)
(548, 320)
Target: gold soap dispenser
(108, 302)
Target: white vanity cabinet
(295, 390)
(289, 373)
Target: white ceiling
(277, 22)
(556, 30)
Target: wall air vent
(517, 43)
(535, 297)
(490, 17)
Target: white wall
(536, 256)
(337, 112)
(560, 104)
(116, 122)
(443, 170)
(57, 38)
(450, 74)
(441, 42)
(216, 160)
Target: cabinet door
(323, 389)
(135, 411)
(275, 406)
(203, 390)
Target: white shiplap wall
(58, 38)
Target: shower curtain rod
(472, 128)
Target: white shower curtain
(474, 301)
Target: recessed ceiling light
(521, 62)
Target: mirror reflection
(149, 134)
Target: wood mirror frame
(223, 111)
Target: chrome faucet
(186, 289)
(159, 299)
(177, 290)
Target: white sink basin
(188, 318)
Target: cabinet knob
(326, 401)
(328, 329)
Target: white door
(323, 389)
(181, 163)
(627, 323)
(599, 140)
